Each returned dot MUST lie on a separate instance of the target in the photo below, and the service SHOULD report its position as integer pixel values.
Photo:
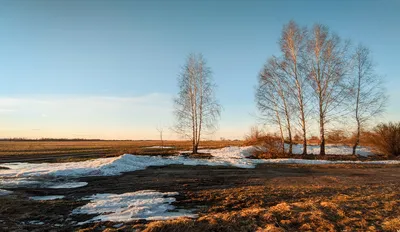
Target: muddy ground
(267, 198)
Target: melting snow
(4, 192)
(35, 222)
(145, 204)
(68, 185)
(20, 182)
(330, 150)
(46, 198)
(228, 156)
(159, 147)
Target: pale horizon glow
(108, 69)
(93, 117)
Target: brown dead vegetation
(267, 198)
(61, 151)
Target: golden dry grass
(376, 208)
(34, 149)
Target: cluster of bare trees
(320, 77)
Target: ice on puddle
(145, 204)
(46, 198)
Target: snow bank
(46, 198)
(23, 173)
(4, 192)
(230, 156)
(145, 204)
(28, 174)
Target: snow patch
(68, 185)
(35, 222)
(228, 156)
(159, 147)
(145, 204)
(46, 198)
(5, 192)
(19, 182)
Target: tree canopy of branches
(272, 100)
(327, 66)
(369, 97)
(195, 108)
(317, 72)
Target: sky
(108, 69)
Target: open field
(267, 198)
(228, 191)
(59, 151)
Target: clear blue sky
(108, 69)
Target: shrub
(387, 138)
(254, 137)
(271, 143)
(336, 136)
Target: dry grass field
(270, 197)
(267, 198)
(59, 151)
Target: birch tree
(327, 64)
(368, 94)
(292, 44)
(272, 100)
(196, 109)
(160, 130)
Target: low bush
(386, 138)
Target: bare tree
(327, 64)
(272, 98)
(292, 43)
(160, 130)
(369, 96)
(196, 108)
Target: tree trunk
(357, 137)
(290, 139)
(357, 112)
(281, 131)
(195, 146)
(304, 140)
(322, 136)
(303, 127)
(289, 129)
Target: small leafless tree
(327, 64)
(272, 98)
(160, 130)
(196, 108)
(368, 94)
